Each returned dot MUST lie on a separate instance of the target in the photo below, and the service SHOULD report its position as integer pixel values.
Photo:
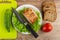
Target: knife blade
(25, 23)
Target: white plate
(29, 6)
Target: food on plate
(49, 11)
(47, 27)
(50, 15)
(20, 27)
(7, 19)
(30, 15)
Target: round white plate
(28, 6)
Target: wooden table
(54, 34)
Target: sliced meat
(30, 15)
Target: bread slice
(30, 15)
(51, 3)
(49, 7)
(50, 15)
(49, 10)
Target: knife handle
(32, 31)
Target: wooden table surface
(54, 34)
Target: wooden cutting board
(54, 34)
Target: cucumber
(7, 19)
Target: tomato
(47, 27)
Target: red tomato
(47, 27)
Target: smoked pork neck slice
(30, 15)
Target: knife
(25, 23)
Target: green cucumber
(7, 19)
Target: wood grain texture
(54, 34)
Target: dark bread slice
(50, 15)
